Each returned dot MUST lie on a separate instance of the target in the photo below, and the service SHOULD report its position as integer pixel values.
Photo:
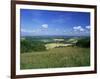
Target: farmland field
(55, 58)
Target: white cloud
(87, 27)
(45, 26)
(79, 28)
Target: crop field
(55, 45)
(55, 58)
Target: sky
(48, 22)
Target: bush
(29, 46)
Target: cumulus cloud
(45, 26)
(79, 28)
(87, 27)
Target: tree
(83, 42)
(29, 46)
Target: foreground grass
(57, 57)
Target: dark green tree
(29, 46)
(83, 42)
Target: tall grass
(57, 57)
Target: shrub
(29, 46)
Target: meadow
(55, 58)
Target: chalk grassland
(55, 58)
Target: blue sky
(47, 22)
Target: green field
(57, 57)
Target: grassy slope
(57, 57)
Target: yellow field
(54, 45)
